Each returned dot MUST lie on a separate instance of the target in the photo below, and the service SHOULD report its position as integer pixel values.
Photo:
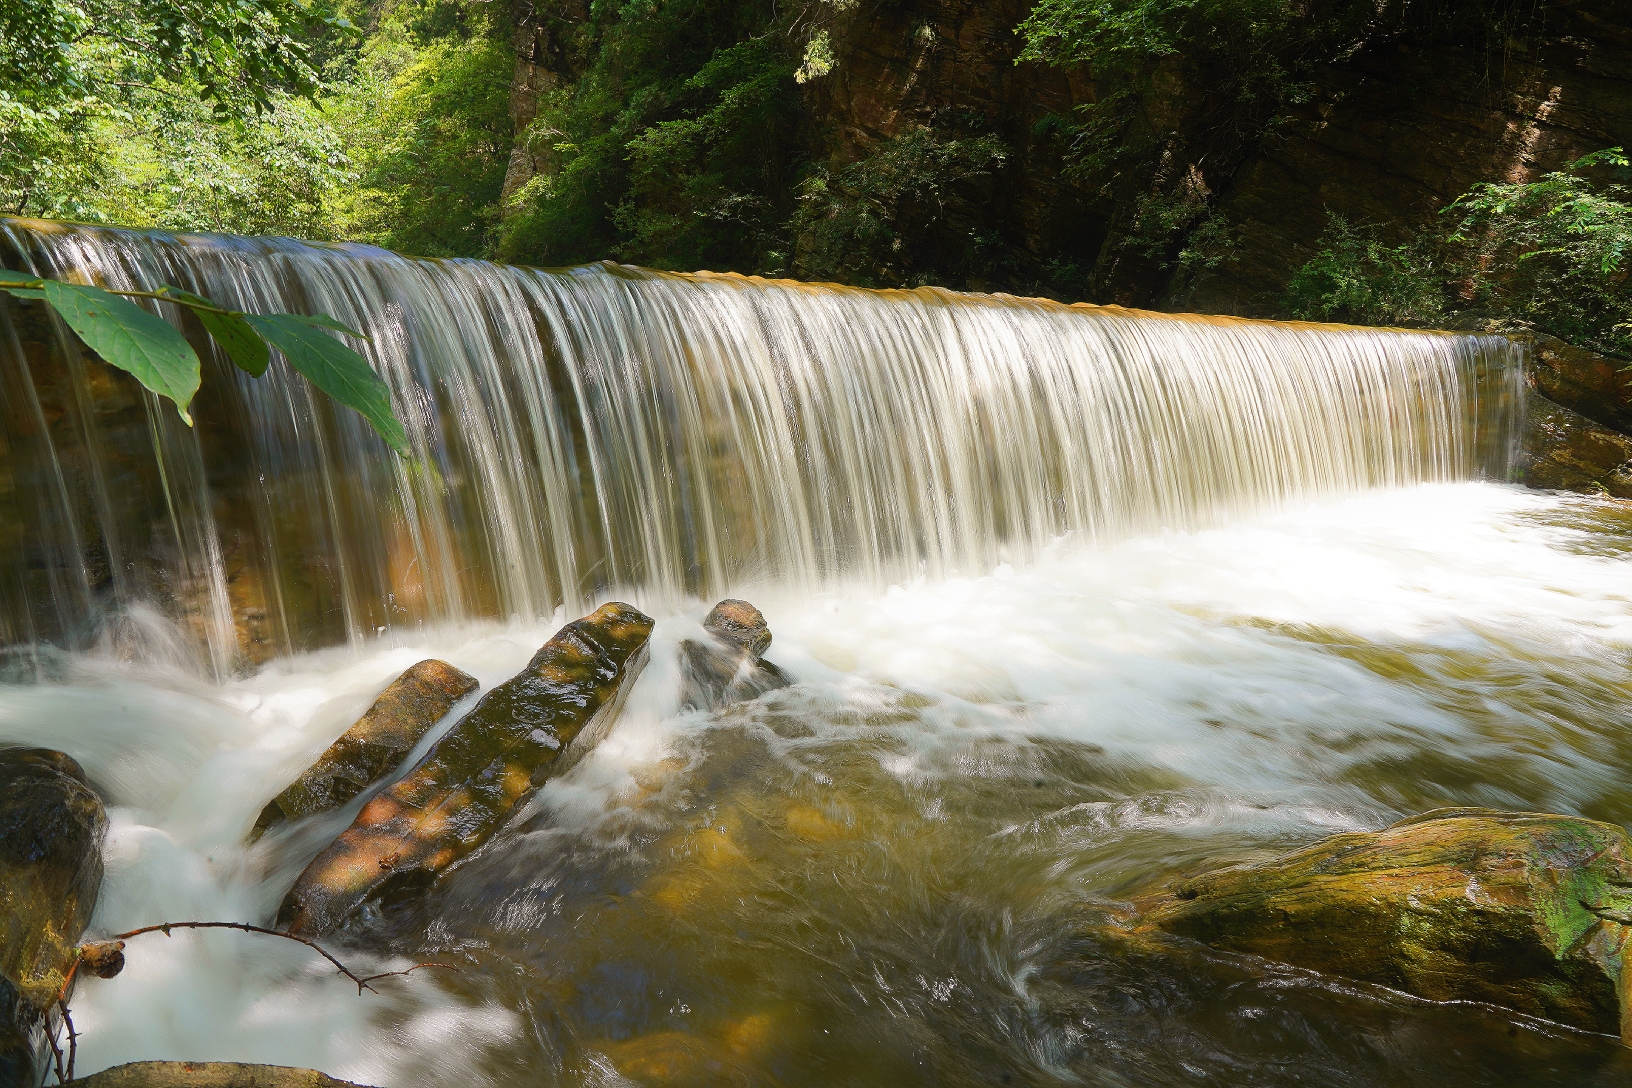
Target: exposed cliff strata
(1395, 133)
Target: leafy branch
(155, 353)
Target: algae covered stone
(1527, 911)
(729, 666)
(51, 829)
(209, 1075)
(376, 745)
(475, 775)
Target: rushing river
(1076, 600)
(888, 874)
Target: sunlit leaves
(230, 331)
(334, 368)
(156, 354)
(140, 343)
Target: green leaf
(324, 321)
(130, 338)
(8, 276)
(334, 368)
(241, 343)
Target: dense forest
(1107, 150)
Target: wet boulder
(728, 667)
(376, 745)
(209, 1075)
(1526, 911)
(477, 774)
(51, 829)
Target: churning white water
(667, 435)
(1075, 598)
(1252, 686)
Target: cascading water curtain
(600, 427)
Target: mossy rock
(375, 746)
(1526, 911)
(209, 1075)
(51, 829)
(474, 777)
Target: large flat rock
(51, 829)
(1526, 911)
(209, 1075)
(476, 775)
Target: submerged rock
(1522, 910)
(209, 1075)
(728, 667)
(475, 776)
(51, 829)
(378, 743)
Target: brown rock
(378, 743)
(1596, 386)
(728, 667)
(51, 829)
(209, 1075)
(1564, 450)
(1526, 911)
(475, 776)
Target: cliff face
(938, 64)
(1397, 132)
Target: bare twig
(73, 1037)
(415, 967)
(166, 927)
(56, 1053)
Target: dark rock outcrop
(209, 1075)
(728, 667)
(378, 743)
(476, 775)
(51, 829)
(1526, 911)
(1565, 451)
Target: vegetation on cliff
(1552, 252)
(708, 134)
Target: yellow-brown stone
(376, 745)
(476, 775)
(51, 829)
(1526, 911)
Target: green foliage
(128, 337)
(237, 52)
(1555, 251)
(873, 222)
(674, 147)
(156, 354)
(1358, 279)
(427, 124)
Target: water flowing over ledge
(666, 434)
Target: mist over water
(668, 435)
(883, 874)
(1075, 599)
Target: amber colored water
(1076, 601)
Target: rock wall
(1396, 132)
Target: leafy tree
(1554, 251)
(871, 223)
(1359, 279)
(677, 146)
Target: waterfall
(602, 428)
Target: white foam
(1162, 651)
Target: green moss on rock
(1527, 911)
